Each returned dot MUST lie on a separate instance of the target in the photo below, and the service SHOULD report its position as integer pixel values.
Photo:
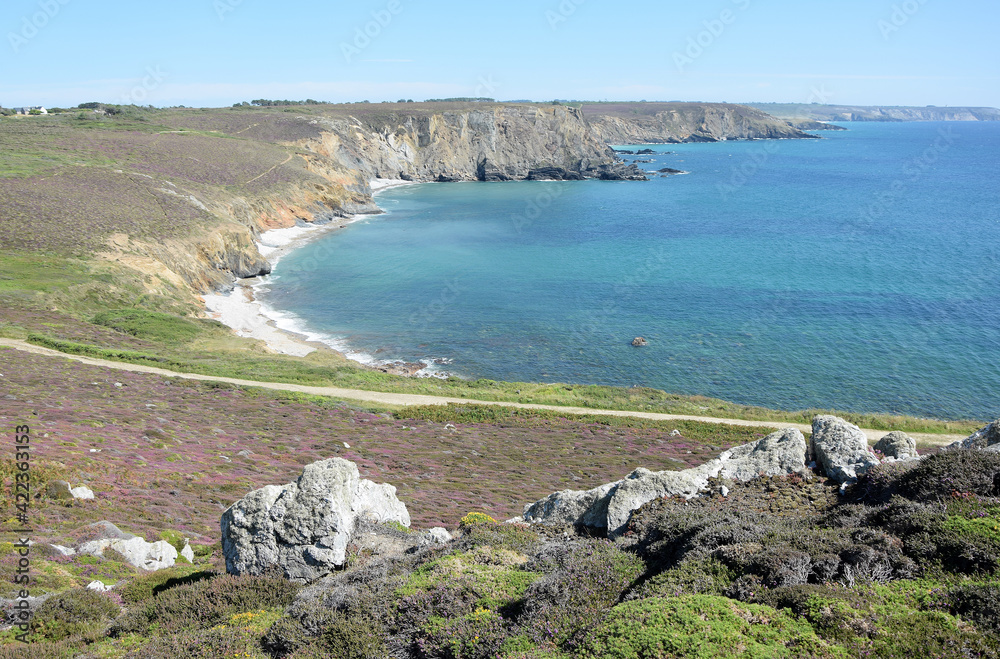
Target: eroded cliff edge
(233, 173)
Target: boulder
(303, 528)
(150, 556)
(840, 449)
(897, 445)
(981, 439)
(58, 490)
(572, 507)
(99, 586)
(639, 342)
(439, 535)
(82, 492)
(642, 486)
(610, 506)
(778, 454)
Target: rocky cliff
(496, 143)
(667, 123)
(799, 111)
(284, 168)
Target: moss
(703, 626)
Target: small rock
(188, 553)
(639, 342)
(439, 535)
(99, 586)
(897, 445)
(981, 439)
(724, 491)
(346, 445)
(245, 453)
(119, 385)
(675, 433)
(82, 492)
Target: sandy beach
(240, 310)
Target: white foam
(284, 331)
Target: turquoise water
(859, 272)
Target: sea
(858, 272)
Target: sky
(219, 52)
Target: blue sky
(217, 52)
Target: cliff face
(799, 111)
(316, 168)
(668, 123)
(498, 143)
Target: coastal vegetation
(101, 215)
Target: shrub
(962, 471)
(73, 613)
(146, 586)
(205, 603)
(702, 626)
(585, 580)
(477, 635)
(979, 604)
(927, 538)
(475, 519)
(706, 576)
(512, 537)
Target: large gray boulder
(642, 486)
(610, 506)
(982, 439)
(841, 449)
(778, 454)
(571, 507)
(897, 446)
(303, 528)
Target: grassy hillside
(71, 185)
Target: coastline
(248, 317)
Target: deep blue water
(858, 272)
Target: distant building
(40, 109)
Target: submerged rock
(304, 527)
(639, 342)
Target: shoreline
(248, 317)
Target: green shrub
(702, 626)
(583, 582)
(146, 586)
(512, 537)
(150, 325)
(73, 613)
(961, 471)
(979, 604)
(706, 576)
(205, 603)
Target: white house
(40, 109)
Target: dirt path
(417, 399)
